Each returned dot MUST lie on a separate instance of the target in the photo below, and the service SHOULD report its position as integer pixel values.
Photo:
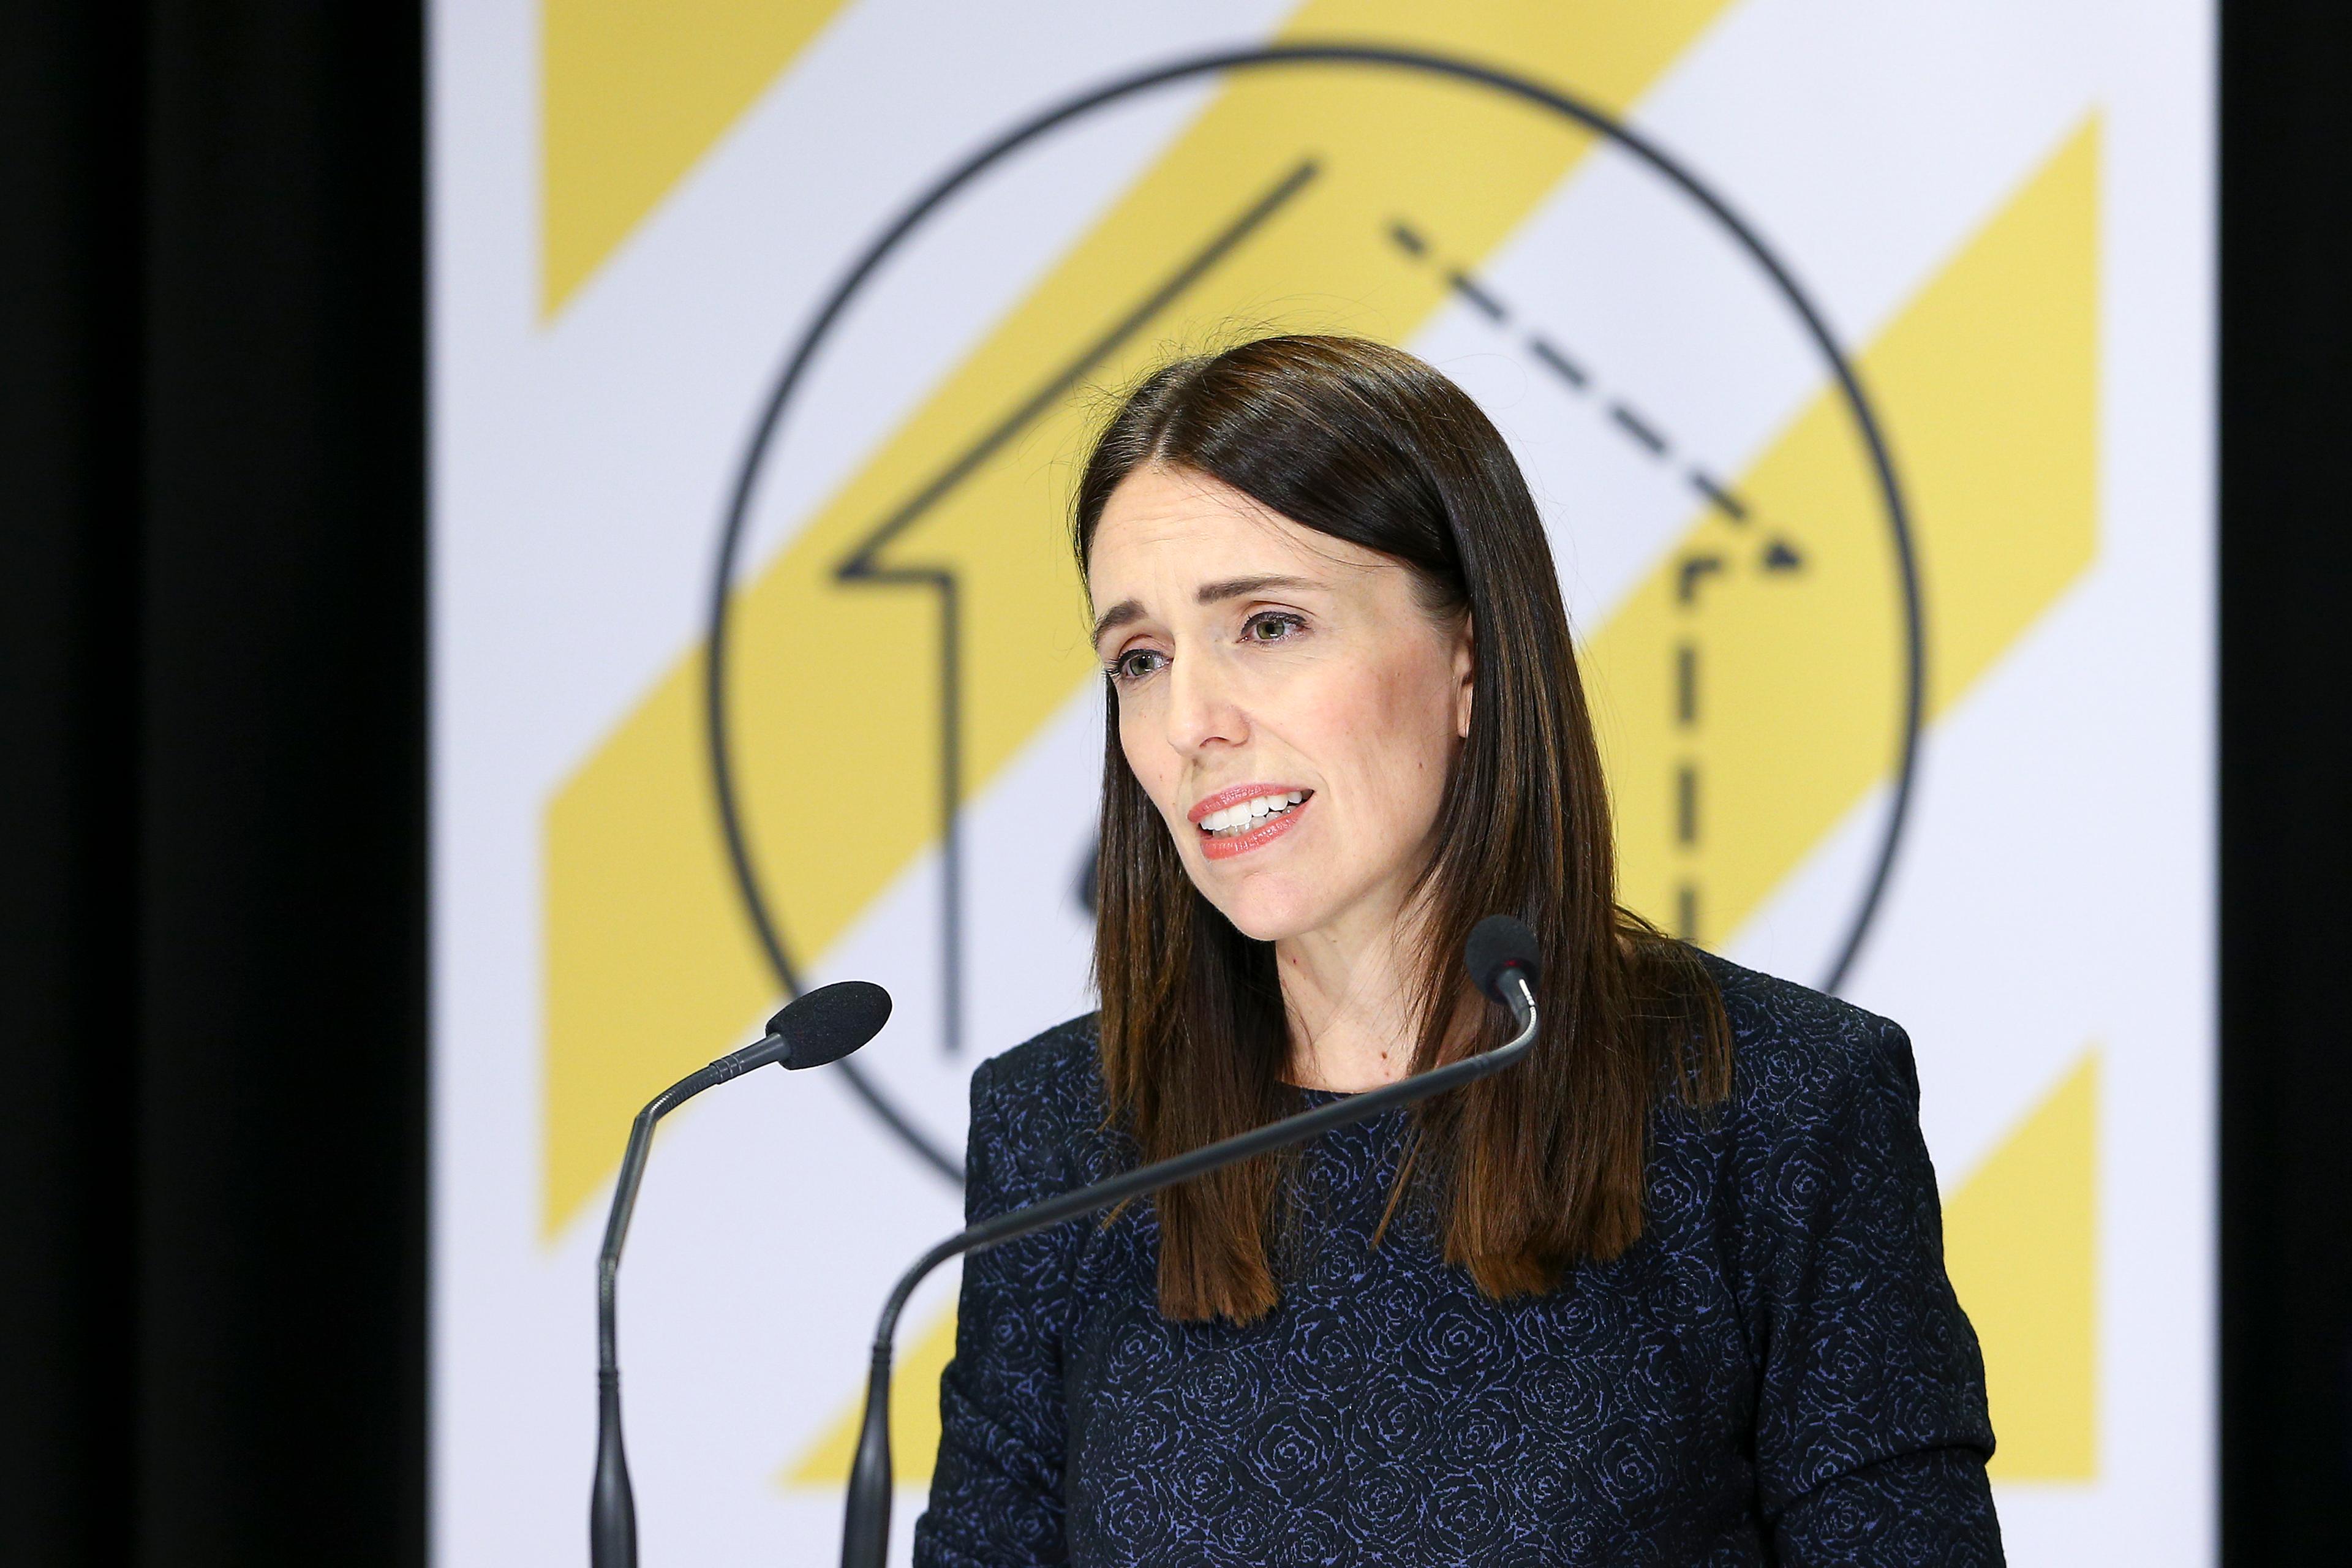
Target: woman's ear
(1466, 666)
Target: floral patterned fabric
(1776, 1372)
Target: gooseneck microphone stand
(822, 1027)
(1502, 959)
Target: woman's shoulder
(1058, 1071)
(1800, 1056)
(1038, 1110)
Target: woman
(1670, 1290)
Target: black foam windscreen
(830, 1022)
(1495, 945)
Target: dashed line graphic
(1648, 437)
(1694, 571)
(1729, 505)
(1558, 363)
(1645, 434)
(1486, 304)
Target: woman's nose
(1202, 709)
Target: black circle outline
(747, 882)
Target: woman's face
(1284, 700)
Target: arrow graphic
(647, 955)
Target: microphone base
(612, 1506)
(865, 1533)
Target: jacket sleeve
(1932, 1506)
(1871, 1430)
(996, 1492)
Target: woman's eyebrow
(1127, 610)
(1117, 616)
(1239, 587)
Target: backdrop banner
(1861, 357)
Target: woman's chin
(1266, 913)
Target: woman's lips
(1226, 846)
(1234, 794)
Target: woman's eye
(1272, 625)
(1136, 663)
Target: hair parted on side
(1533, 1170)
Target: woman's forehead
(1165, 525)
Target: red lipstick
(1225, 845)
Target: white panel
(2054, 889)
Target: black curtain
(212, 771)
(211, 917)
(2287, 782)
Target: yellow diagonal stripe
(1987, 384)
(649, 969)
(631, 94)
(2021, 1245)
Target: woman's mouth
(1246, 820)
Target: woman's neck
(1347, 993)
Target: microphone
(1499, 945)
(1501, 956)
(822, 1027)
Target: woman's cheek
(1150, 761)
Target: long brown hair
(1535, 1169)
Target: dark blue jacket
(1776, 1372)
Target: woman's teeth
(1239, 818)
